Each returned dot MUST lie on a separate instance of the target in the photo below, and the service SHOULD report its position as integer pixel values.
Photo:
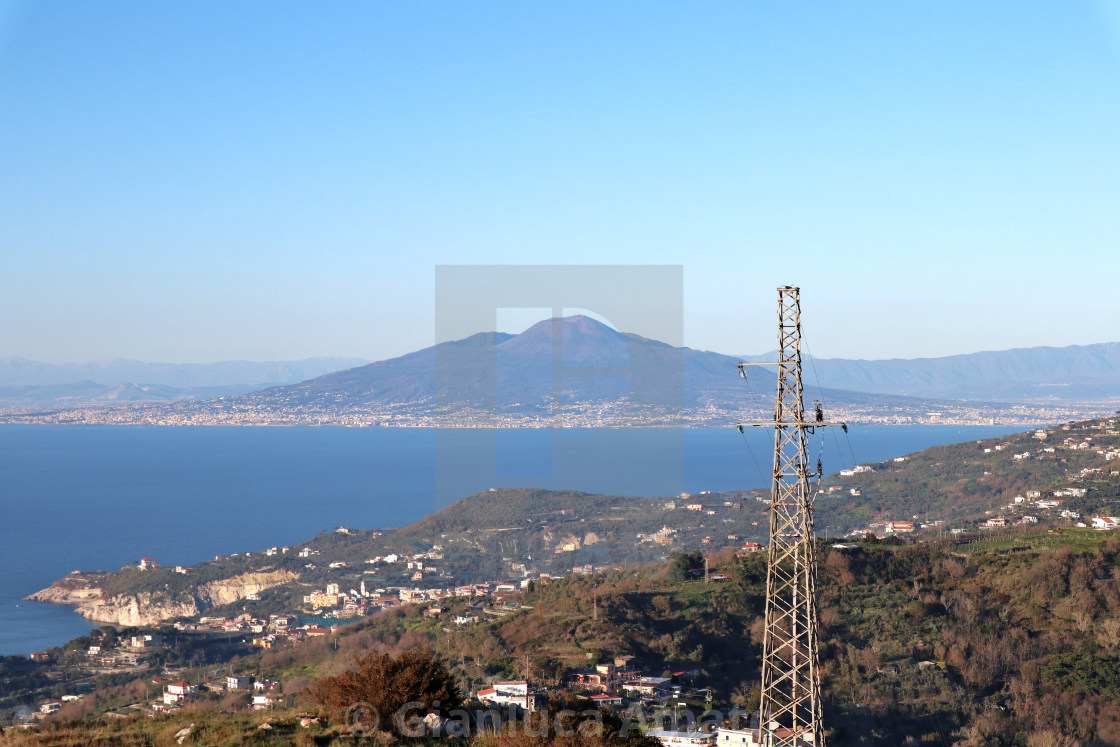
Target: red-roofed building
(177, 692)
(503, 693)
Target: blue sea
(98, 497)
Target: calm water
(97, 497)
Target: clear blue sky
(194, 181)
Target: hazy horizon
(514, 326)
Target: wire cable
(754, 400)
(820, 392)
(761, 474)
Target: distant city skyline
(206, 182)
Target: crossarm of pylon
(791, 423)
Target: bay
(99, 497)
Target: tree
(681, 563)
(387, 684)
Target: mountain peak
(571, 328)
(584, 341)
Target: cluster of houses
(750, 737)
(335, 603)
(613, 684)
(608, 683)
(711, 509)
(1003, 522)
(1036, 501)
(362, 601)
(264, 693)
(421, 563)
(128, 653)
(665, 536)
(29, 719)
(889, 528)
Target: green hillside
(1011, 641)
(961, 483)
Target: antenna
(790, 710)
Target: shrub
(387, 684)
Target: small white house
(265, 701)
(502, 693)
(739, 737)
(238, 683)
(177, 692)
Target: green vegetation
(1013, 643)
(1084, 674)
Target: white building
(265, 701)
(503, 693)
(756, 737)
(238, 683)
(682, 737)
(177, 692)
(649, 687)
(738, 737)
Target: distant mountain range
(596, 363)
(25, 382)
(558, 362)
(578, 365)
(592, 362)
(89, 392)
(1073, 373)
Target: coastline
(1022, 415)
(184, 495)
(81, 591)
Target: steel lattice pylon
(790, 712)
